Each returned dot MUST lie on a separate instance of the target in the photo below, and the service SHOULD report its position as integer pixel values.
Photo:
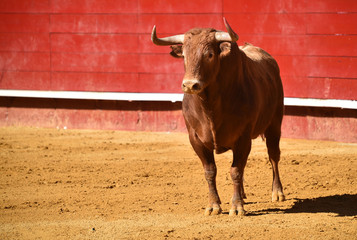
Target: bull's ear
(176, 51)
(225, 48)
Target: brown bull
(232, 95)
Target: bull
(232, 95)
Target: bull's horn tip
(226, 24)
(153, 34)
(154, 29)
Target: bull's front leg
(207, 158)
(240, 156)
(214, 201)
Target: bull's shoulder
(255, 53)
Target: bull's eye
(210, 55)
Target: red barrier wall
(94, 45)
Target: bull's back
(268, 90)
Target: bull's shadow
(342, 205)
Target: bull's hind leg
(207, 158)
(240, 155)
(272, 135)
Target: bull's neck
(212, 100)
(209, 101)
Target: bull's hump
(254, 53)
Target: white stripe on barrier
(313, 102)
(172, 97)
(119, 96)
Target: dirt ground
(81, 184)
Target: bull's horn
(229, 36)
(172, 40)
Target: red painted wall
(95, 45)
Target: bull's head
(202, 50)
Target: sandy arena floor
(79, 184)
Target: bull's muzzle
(191, 86)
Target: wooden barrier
(104, 46)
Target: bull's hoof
(278, 197)
(234, 212)
(208, 211)
(213, 211)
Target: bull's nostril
(195, 87)
(191, 86)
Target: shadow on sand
(342, 205)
